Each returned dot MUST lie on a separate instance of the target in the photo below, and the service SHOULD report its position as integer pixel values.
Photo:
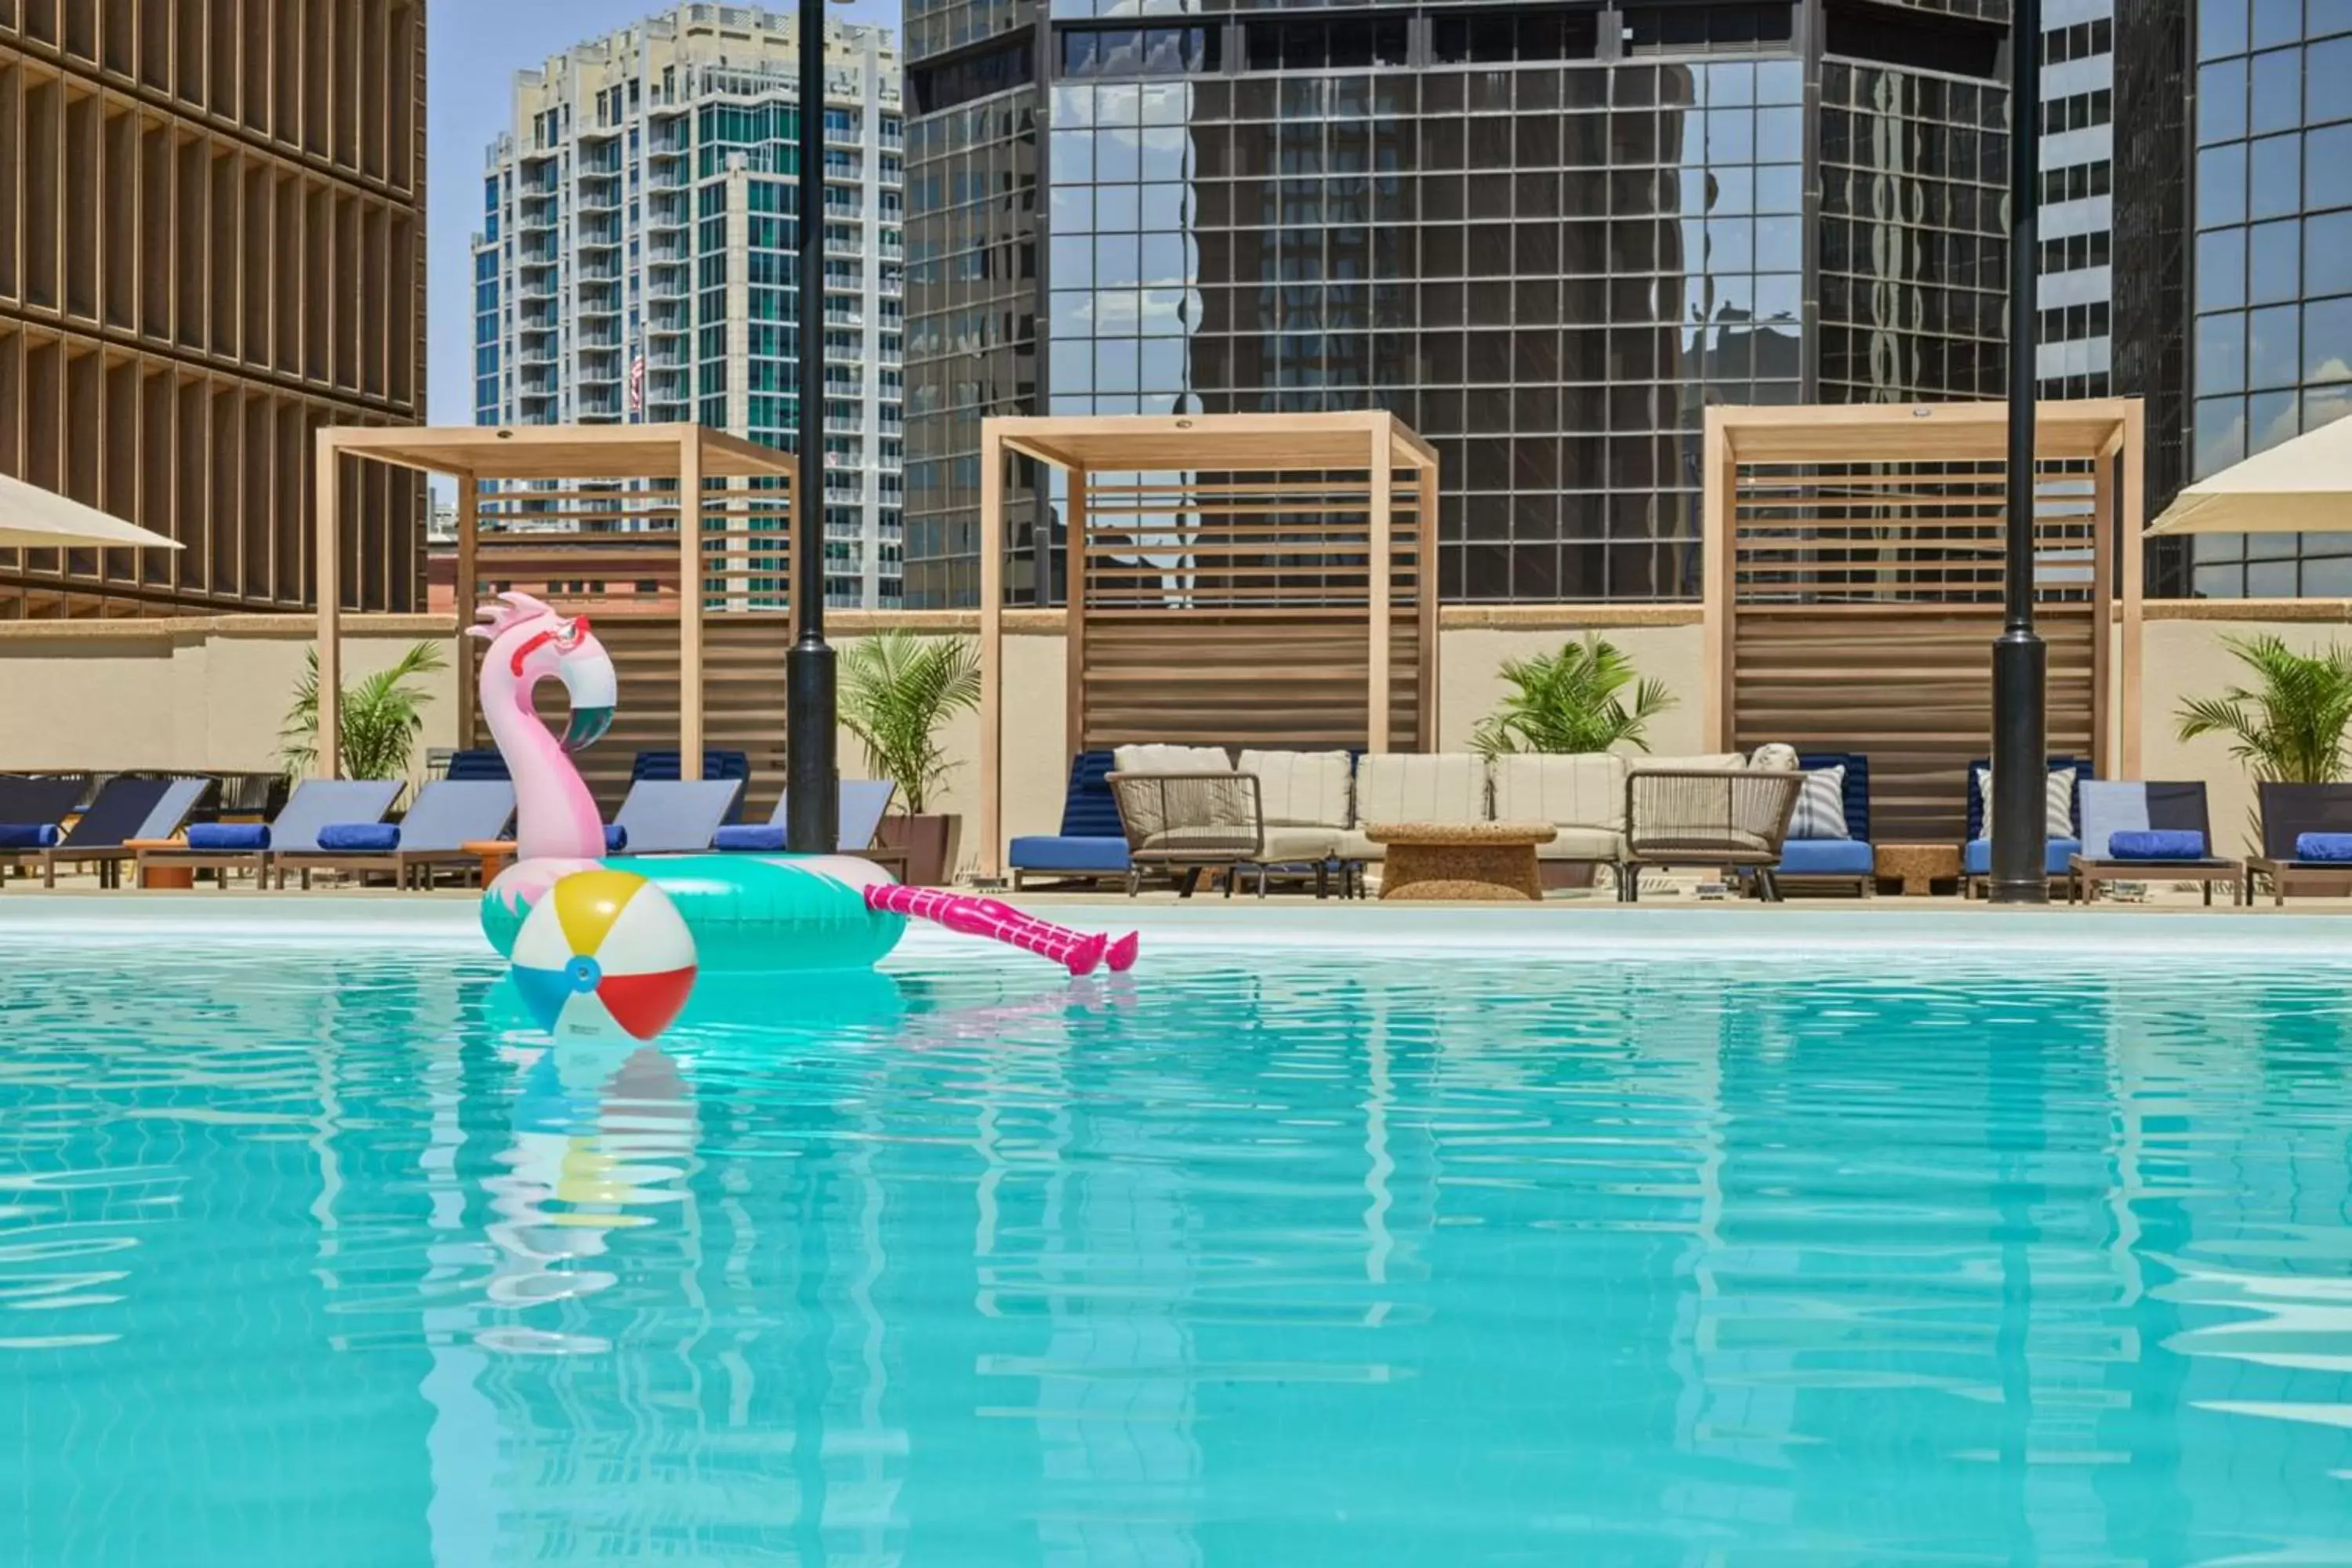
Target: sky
(475, 46)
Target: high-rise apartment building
(1548, 235)
(211, 244)
(639, 255)
(2076, 220)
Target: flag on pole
(637, 384)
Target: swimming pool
(1670, 1239)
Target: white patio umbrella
(34, 518)
(2303, 486)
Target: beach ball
(605, 954)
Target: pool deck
(1596, 926)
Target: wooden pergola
(1233, 578)
(1853, 574)
(589, 467)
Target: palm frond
(1570, 702)
(896, 689)
(381, 717)
(2289, 726)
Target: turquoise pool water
(1277, 1255)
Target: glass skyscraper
(639, 251)
(1547, 235)
(2233, 262)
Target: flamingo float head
(529, 643)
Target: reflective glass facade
(1547, 236)
(2270, 354)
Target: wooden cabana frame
(1229, 516)
(605, 456)
(1852, 579)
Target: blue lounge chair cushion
(616, 838)
(1069, 852)
(2330, 849)
(369, 837)
(27, 835)
(1976, 859)
(2156, 844)
(239, 836)
(1826, 858)
(759, 837)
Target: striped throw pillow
(1820, 806)
(2058, 804)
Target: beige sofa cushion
(1300, 789)
(1171, 760)
(1711, 763)
(1450, 786)
(1285, 846)
(1587, 791)
(1583, 844)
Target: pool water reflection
(1294, 1257)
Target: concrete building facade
(637, 255)
(211, 240)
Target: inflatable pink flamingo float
(746, 911)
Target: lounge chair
(315, 805)
(126, 809)
(2057, 849)
(670, 817)
(862, 805)
(2139, 832)
(2294, 816)
(1810, 858)
(1090, 846)
(718, 767)
(446, 816)
(1185, 824)
(33, 810)
(1721, 818)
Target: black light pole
(812, 818)
(2021, 662)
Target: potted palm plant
(2289, 728)
(897, 689)
(381, 718)
(1570, 702)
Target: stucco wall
(199, 694)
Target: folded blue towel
(760, 835)
(367, 837)
(616, 838)
(229, 835)
(2329, 847)
(2156, 844)
(27, 835)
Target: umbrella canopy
(2303, 486)
(34, 518)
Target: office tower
(638, 254)
(1545, 235)
(2247, 240)
(212, 236)
(2073, 346)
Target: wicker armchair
(1185, 824)
(1678, 817)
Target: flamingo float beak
(594, 687)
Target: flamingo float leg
(1077, 953)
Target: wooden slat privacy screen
(603, 520)
(1234, 580)
(1855, 586)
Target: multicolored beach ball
(605, 952)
